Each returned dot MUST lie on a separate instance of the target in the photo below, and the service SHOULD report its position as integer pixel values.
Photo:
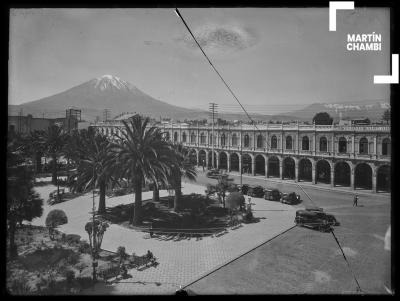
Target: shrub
(84, 247)
(244, 189)
(69, 276)
(235, 200)
(73, 258)
(19, 286)
(54, 219)
(121, 253)
(72, 238)
(108, 271)
(84, 282)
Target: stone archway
(323, 172)
(210, 165)
(273, 167)
(342, 174)
(288, 168)
(259, 165)
(193, 157)
(363, 176)
(383, 178)
(202, 158)
(305, 170)
(234, 162)
(246, 163)
(223, 161)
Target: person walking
(355, 202)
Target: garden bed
(63, 265)
(200, 214)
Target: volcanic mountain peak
(106, 82)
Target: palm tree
(53, 142)
(180, 167)
(94, 166)
(139, 151)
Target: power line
(209, 61)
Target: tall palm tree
(180, 167)
(94, 168)
(71, 148)
(139, 150)
(53, 141)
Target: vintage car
(213, 173)
(290, 198)
(272, 195)
(315, 218)
(256, 191)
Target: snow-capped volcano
(111, 82)
(98, 94)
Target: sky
(273, 58)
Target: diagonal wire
(215, 69)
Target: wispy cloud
(220, 38)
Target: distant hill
(372, 109)
(111, 92)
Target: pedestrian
(355, 202)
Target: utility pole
(213, 110)
(106, 114)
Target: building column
(266, 167)
(352, 178)
(281, 169)
(240, 164)
(217, 161)
(228, 162)
(332, 176)
(313, 173)
(197, 158)
(374, 180)
(253, 165)
(296, 171)
(207, 159)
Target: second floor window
(386, 147)
(363, 146)
(342, 145)
(305, 143)
(323, 144)
(202, 138)
(234, 140)
(246, 140)
(274, 142)
(223, 139)
(183, 137)
(193, 138)
(289, 142)
(259, 141)
(175, 137)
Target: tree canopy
(322, 118)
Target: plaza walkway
(180, 262)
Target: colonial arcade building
(354, 156)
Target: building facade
(354, 156)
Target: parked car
(290, 198)
(315, 219)
(272, 195)
(256, 191)
(213, 173)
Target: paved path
(180, 262)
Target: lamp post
(93, 238)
